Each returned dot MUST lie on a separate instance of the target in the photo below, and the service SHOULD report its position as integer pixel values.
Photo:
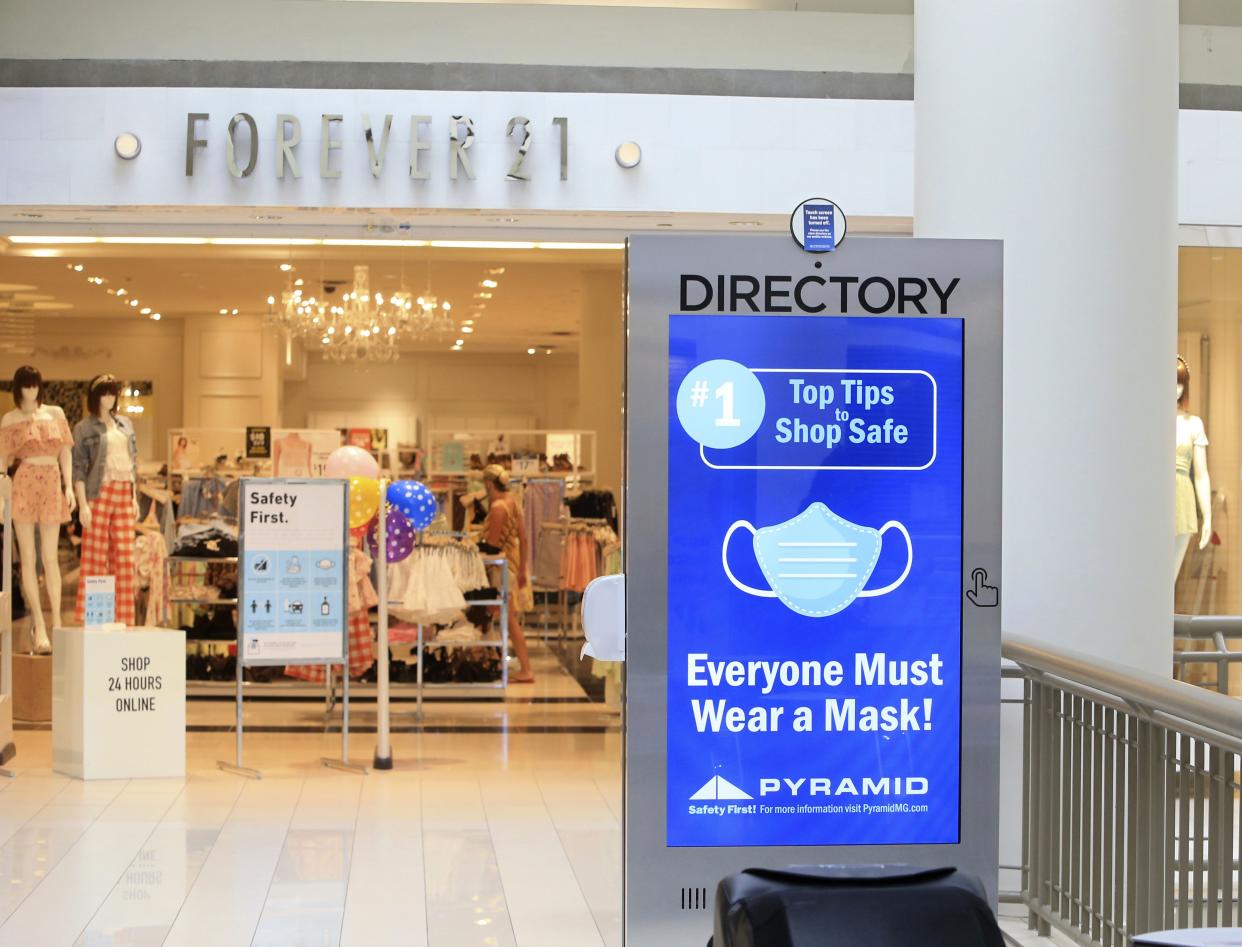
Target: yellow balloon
(364, 500)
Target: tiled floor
(498, 827)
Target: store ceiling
(537, 301)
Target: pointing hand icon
(983, 595)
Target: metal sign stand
(238, 766)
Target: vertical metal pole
(239, 764)
(383, 749)
(345, 711)
(418, 671)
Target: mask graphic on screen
(817, 563)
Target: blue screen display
(814, 580)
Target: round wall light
(128, 146)
(629, 154)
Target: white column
(1053, 126)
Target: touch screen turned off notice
(814, 580)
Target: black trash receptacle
(853, 905)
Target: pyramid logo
(720, 788)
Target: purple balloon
(400, 536)
(414, 500)
(348, 461)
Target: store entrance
(444, 359)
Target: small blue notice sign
(100, 601)
(819, 228)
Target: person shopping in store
(504, 534)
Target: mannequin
(105, 474)
(37, 435)
(1193, 485)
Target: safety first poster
(293, 596)
(814, 580)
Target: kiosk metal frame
(669, 890)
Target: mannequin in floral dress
(37, 436)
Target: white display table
(118, 703)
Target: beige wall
(233, 375)
(430, 385)
(77, 349)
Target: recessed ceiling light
(234, 312)
(134, 303)
(468, 322)
(299, 282)
(482, 295)
(286, 267)
(460, 342)
(145, 310)
(455, 348)
(467, 329)
(530, 351)
(224, 312)
(489, 284)
(156, 316)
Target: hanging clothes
(541, 503)
(594, 504)
(151, 567)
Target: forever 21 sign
(241, 144)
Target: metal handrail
(1207, 626)
(1130, 809)
(1149, 693)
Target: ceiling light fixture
(156, 241)
(530, 351)
(489, 284)
(145, 310)
(467, 329)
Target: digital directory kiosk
(812, 547)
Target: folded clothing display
(206, 541)
(461, 632)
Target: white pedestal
(118, 703)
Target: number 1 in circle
(727, 418)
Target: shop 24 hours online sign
(814, 603)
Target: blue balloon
(415, 501)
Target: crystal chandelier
(363, 326)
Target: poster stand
(238, 766)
